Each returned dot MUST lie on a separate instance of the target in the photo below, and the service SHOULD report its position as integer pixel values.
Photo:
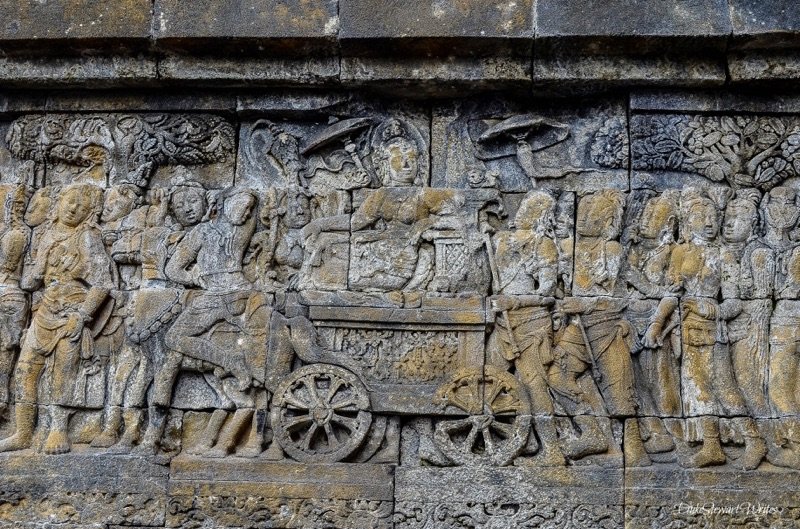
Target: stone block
(258, 26)
(479, 496)
(74, 72)
(436, 76)
(74, 489)
(588, 45)
(244, 492)
(425, 27)
(216, 72)
(767, 25)
(56, 25)
(661, 496)
(630, 28)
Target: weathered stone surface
(70, 72)
(74, 489)
(80, 24)
(765, 24)
(296, 26)
(613, 27)
(213, 71)
(449, 76)
(329, 308)
(564, 497)
(590, 45)
(702, 498)
(423, 27)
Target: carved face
(188, 205)
(702, 221)
(298, 210)
(39, 207)
(738, 224)
(118, 203)
(781, 210)
(656, 217)
(400, 162)
(237, 208)
(535, 210)
(595, 217)
(73, 208)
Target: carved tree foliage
(742, 151)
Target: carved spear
(487, 240)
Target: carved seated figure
(392, 230)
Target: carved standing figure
(709, 389)
(210, 256)
(781, 213)
(73, 268)
(14, 302)
(658, 322)
(526, 261)
(609, 338)
(142, 239)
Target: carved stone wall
(354, 310)
(319, 265)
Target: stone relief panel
(515, 146)
(371, 285)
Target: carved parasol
(343, 131)
(531, 134)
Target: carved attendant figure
(142, 239)
(14, 303)
(608, 337)
(708, 386)
(657, 367)
(527, 270)
(781, 214)
(73, 268)
(210, 256)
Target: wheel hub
(321, 415)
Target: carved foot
(658, 443)
(146, 448)
(706, 457)
(15, 442)
(106, 439)
(57, 443)
(429, 454)
(638, 459)
(274, 453)
(784, 457)
(755, 450)
(201, 448)
(546, 457)
(585, 446)
(218, 452)
(249, 451)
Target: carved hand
(652, 337)
(501, 303)
(74, 327)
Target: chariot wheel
(320, 413)
(498, 423)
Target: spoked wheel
(497, 427)
(320, 413)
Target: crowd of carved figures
(331, 301)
